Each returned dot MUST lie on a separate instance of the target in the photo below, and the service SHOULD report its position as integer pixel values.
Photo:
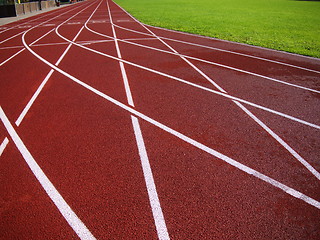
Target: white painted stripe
(183, 137)
(237, 53)
(7, 39)
(209, 62)
(3, 145)
(36, 19)
(281, 142)
(151, 187)
(16, 54)
(247, 45)
(126, 84)
(137, 39)
(197, 86)
(12, 47)
(8, 59)
(228, 160)
(123, 71)
(44, 35)
(69, 46)
(36, 94)
(229, 67)
(156, 209)
(257, 120)
(50, 44)
(33, 98)
(73, 220)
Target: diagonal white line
(157, 213)
(63, 207)
(229, 67)
(250, 114)
(228, 51)
(38, 39)
(196, 85)
(183, 137)
(37, 92)
(3, 145)
(208, 62)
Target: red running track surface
(112, 129)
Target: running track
(112, 129)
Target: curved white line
(205, 61)
(183, 137)
(194, 85)
(237, 53)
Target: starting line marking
(99, 21)
(27, 26)
(74, 23)
(123, 20)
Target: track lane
(273, 134)
(204, 198)
(196, 225)
(23, 203)
(258, 53)
(98, 171)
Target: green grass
(287, 25)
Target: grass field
(287, 25)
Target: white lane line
(297, 156)
(197, 86)
(156, 209)
(232, 52)
(12, 47)
(33, 98)
(232, 68)
(227, 51)
(244, 44)
(73, 220)
(37, 92)
(7, 39)
(16, 54)
(208, 62)
(50, 44)
(250, 114)
(151, 186)
(3, 145)
(8, 59)
(183, 137)
(35, 95)
(123, 70)
(35, 19)
(138, 39)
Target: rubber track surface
(112, 129)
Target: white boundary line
(20, 51)
(17, 23)
(226, 66)
(197, 86)
(227, 51)
(157, 212)
(183, 137)
(208, 62)
(236, 43)
(307, 165)
(3, 145)
(36, 94)
(73, 220)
